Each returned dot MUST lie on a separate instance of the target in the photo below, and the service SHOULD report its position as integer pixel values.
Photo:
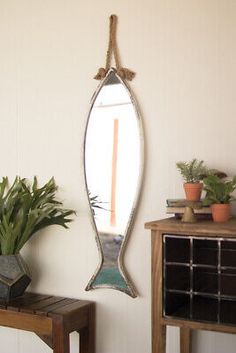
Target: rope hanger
(124, 73)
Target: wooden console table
(52, 319)
(193, 279)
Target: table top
(41, 304)
(201, 227)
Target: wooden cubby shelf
(193, 279)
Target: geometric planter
(14, 276)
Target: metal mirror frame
(130, 287)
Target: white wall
(185, 57)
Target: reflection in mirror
(113, 163)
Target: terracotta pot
(193, 191)
(220, 212)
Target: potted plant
(218, 195)
(24, 210)
(192, 172)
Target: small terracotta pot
(193, 191)
(220, 212)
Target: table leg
(185, 340)
(60, 338)
(87, 334)
(159, 339)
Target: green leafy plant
(193, 171)
(26, 209)
(218, 190)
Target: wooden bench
(52, 319)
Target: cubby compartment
(228, 312)
(204, 308)
(177, 249)
(228, 253)
(205, 252)
(205, 280)
(177, 305)
(228, 283)
(177, 277)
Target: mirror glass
(113, 163)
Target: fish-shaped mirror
(113, 163)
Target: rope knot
(101, 73)
(126, 74)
